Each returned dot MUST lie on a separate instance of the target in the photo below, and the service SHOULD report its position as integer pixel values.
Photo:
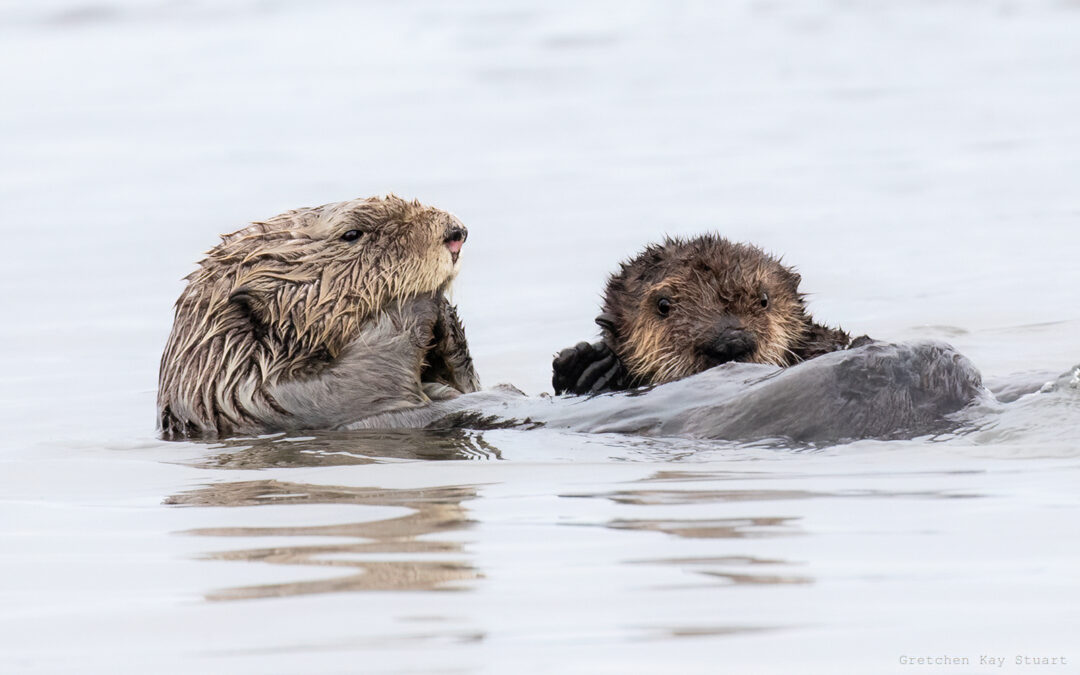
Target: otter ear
(252, 305)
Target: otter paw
(860, 341)
(587, 369)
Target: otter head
(282, 298)
(684, 306)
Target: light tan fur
(281, 301)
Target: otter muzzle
(730, 344)
(455, 238)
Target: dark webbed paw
(588, 369)
(860, 341)
(822, 340)
(449, 360)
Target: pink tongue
(454, 246)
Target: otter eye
(351, 235)
(764, 299)
(663, 305)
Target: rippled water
(916, 161)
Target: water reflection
(330, 448)
(707, 631)
(673, 497)
(750, 570)
(721, 514)
(435, 510)
(741, 568)
(714, 528)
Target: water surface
(916, 162)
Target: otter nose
(731, 343)
(456, 233)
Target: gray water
(917, 161)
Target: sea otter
(317, 318)
(686, 305)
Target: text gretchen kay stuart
(983, 660)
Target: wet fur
(709, 280)
(285, 325)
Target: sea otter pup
(316, 318)
(686, 305)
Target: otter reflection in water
(343, 448)
(435, 510)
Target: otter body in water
(678, 310)
(686, 305)
(336, 318)
(317, 318)
(877, 390)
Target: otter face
(687, 305)
(356, 256)
(315, 275)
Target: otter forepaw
(587, 369)
(860, 341)
(448, 359)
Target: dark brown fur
(714, 289)
(686, 305)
